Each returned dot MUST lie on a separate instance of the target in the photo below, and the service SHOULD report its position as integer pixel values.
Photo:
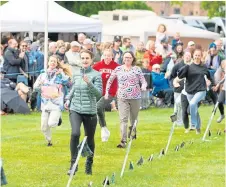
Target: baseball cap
(88, 41)
(191, 43)
(117, 38)
(75, 43)
(212, 45)
(28, 40)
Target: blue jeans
(39, 100)
(193, 102)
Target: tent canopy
(24, 16)
(148, 25)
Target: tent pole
(46, 35)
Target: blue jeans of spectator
(193, 102)
(39, 100)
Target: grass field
(28, 162)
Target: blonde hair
(148, 44)
(60, 43)
(67, 46)
(66, 69)
(160, 26)
(109, 50)
(106, 45)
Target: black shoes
(89, 164)
(121, 145)
(70, 170)
(49, 144)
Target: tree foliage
(180, 3)
(214, 8)
(3, 2)
(87, 8)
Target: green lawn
(28, 162)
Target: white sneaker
(105, 134)
(187, 131)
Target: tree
(2, 2)
(214, 8)
(87, 8)
(139, 5)
(179, 3)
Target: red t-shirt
(106, 70)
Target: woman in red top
(154, 58)
(105, 67)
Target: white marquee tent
(147, 26)
(30, 16)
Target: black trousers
(184, 108)
(101, 112)
(89, 123)
(221, 97)
(213, 96)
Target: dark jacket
(148, 77)
(6, 83)
(173, 75)
(25, 62)
(12, 63)
(195, 81)
(61, 57)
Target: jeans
(177, 107)
(193, 102)
(39, 100)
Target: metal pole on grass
(128, 149)
(173, 119)
(76, 162)
(210, 120)
(46, 36)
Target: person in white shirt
(73, 57)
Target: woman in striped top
(129, 92)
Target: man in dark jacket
(12, 61)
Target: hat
(117, 38)
(75, 43)
(40, 35)
(165, 39)
(88, 41)
(212, 45)
(191, 43)
(28, 40)
(2, 70)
